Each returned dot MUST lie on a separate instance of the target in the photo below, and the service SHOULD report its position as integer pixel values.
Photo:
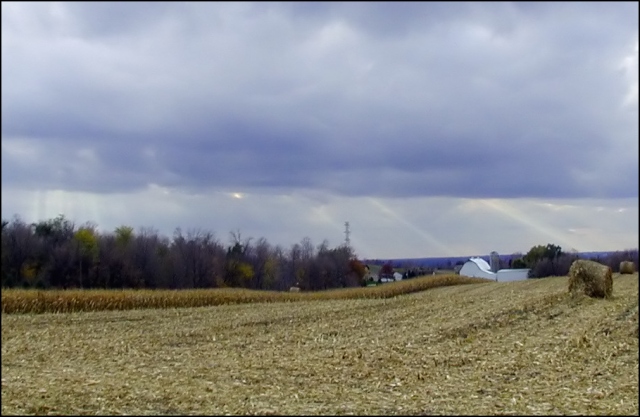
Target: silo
(494, 261)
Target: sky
(433, 129)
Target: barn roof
(482, 264)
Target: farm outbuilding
(505, 275)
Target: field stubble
(494, 348)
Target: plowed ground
(493, 348)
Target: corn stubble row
(65, 301)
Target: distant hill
(449, 262)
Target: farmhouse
(478, 267)
(369, 275)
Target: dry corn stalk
(65, 301)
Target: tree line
(55, 253)
(550, 260)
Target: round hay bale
(627, 267)
(591, 278)
(294, 289)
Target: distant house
(478, 267)
(370, 276)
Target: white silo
(494, 261)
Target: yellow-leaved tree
(87, 244)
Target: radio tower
(347, 241)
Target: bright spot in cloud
(630, 66)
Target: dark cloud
(382, 99)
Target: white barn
(477, 267)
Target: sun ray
(507, 209)
(447, 250)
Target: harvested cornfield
(627, 267)
(66, 301)
(590, 278)
(520, 348)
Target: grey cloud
(493, 100)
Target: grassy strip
(64, 301)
